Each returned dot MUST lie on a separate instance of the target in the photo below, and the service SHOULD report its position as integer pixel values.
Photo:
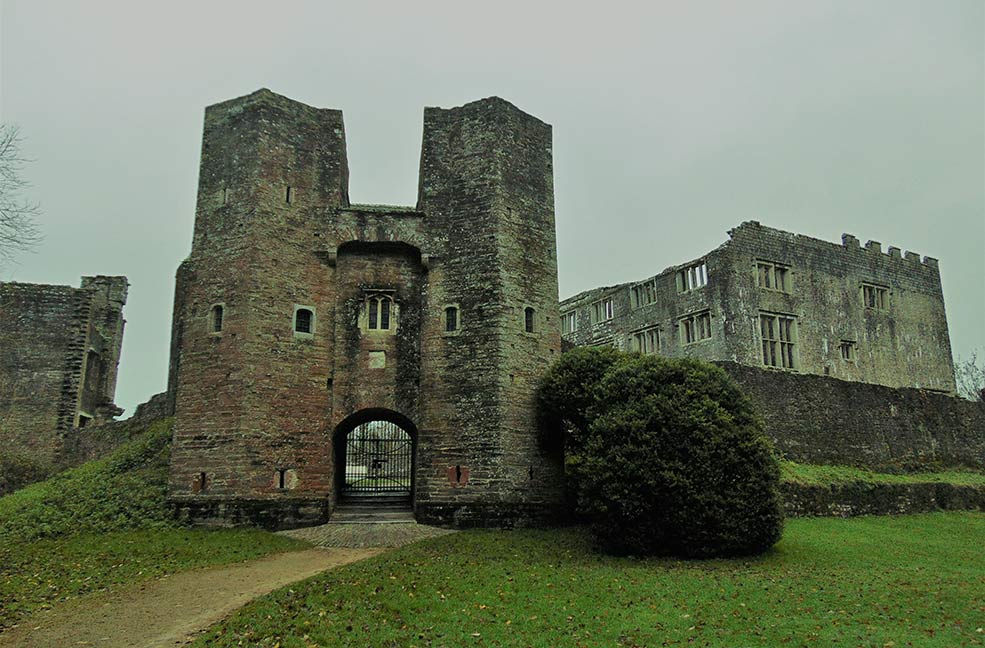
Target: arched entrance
(375, 459)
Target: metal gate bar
(378, 460)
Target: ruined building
(781, 301)
(61, 349)
(325, 351)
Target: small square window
(849, 350)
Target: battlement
(850, 242)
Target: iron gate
(379, 458)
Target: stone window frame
(783, 342)
(695, 328)
(369, 294)
(879, 293)
(769, 274)
(294, 322)
(602, 310)
(529, 323)
(569, 322)
(643, 293)
(691, 277)
(647, 340)
(444, 319)
(211, 318)
(848, 350)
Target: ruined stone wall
(902, 343)
(820, 420)
(61, 349)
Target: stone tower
(301, 320)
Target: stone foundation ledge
(865, 498)
(272, 514)
(493, 515)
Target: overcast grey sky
(673, 122)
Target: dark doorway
(375, 462)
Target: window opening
(692, 277)
(602, 310)
(302, 320)
(874, 296)
(202, 481)
(379, 309)
(216, 318)
(569, 322)
(773, 276)
(287, 195)
(848, 350)
(528, 319)
(644, 293)
(282, 478)
(695, 328)
(778, 333)
(451, 319)
(647, 341)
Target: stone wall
(61, 349)
(903, 343)
(860, 498)
(275, 232)
(820, 420)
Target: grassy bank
(819, 475)
(907, 581)
(105, 524)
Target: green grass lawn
(42, 573)
(876, 581)
(817, 475)
(103, 524)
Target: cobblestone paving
(363, 535)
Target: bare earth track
(171, 611)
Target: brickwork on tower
(298, 316)
(61, 351)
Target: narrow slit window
(374, 305)
(282, 478)
(451, 319)
(216, 319)
(528, 319)
(384, 313)
(303, 319)
(288, 196)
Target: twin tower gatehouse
(324, 350)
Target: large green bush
(670, 459)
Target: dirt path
(172, 610)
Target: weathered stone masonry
(847, 311)
(275, 235)
(60, 354)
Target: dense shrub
(564, 400)
(125, 490)
(673, 461)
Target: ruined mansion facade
(783, 302)
(323, 350)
